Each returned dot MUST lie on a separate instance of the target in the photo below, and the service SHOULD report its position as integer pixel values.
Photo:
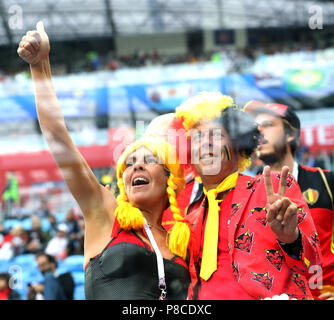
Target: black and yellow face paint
(228, 152)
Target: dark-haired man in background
(280, 129)
(54, 287)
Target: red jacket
(259, 263)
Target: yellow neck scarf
(210, 247)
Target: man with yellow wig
(248, 242)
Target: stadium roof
(65, 20)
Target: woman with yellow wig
(128, 255)
(149, 179)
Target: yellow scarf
(210, 247)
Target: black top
(127, 271)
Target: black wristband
(293, 249)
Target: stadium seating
(73, 263)
(24, 270)
(79, 292)
(10, 223)
(26, 224)
(78, 277)
(25, 261)
(45, 224)
(5, 265)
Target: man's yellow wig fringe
(130, 217)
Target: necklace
(156, 227)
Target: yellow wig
(130, 217)
(206, 106)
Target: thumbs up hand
(34, 46)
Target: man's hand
(281, 211)
(34, 46)
(38, 287)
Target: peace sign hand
(281, 211)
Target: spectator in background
(10, 195)
(6, 292)
(307, 159)
(51, 288)
(37, 239)
(53, 226)
(44, 210)
(93, 62)
(280, 128)
(73, 231)
(71, 222)
(13, 243)
(57, 246)
(20, 210)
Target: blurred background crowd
(119, 64)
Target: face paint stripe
(227, 150)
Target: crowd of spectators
(57, 238)
(43, 232)
(50, 236)
(236, 60)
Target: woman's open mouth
(140, 181)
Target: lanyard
(161, 270)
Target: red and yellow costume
(251, 263)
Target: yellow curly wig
(130, 217)
(207, 106)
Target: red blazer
(258, 262)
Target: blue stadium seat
(45, 224)
(79, 292)
(4, 265)
(78, 277)
(60, 216)
(35, 275)
(25, 261)
(9, 224)
(73, 263)
(26, 224)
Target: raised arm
(95, 201)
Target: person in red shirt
(6, 292)
(280, 127)
(252, 238)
